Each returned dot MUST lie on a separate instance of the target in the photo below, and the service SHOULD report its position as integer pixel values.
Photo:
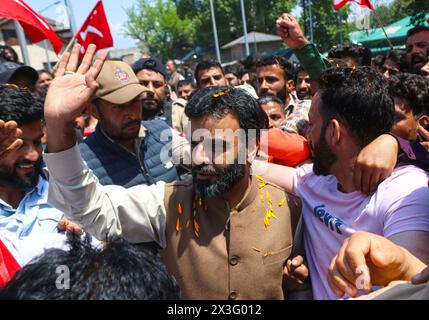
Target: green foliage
(261, 16)
(329, 26)
(399, 9)
(170, 28)
(159, 29)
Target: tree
(158, 28)
(261, 16)
(399, 9)
(329, 26)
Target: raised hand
(289, 30)
(69, 93)
(73, 86)
(9, 137)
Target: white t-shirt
(401, 203)
(24, 250)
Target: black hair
(269, 98)
(235, 69)
(249, 63)
(415, 30)
(361, 98)
(40, 72)
(208, 101)
(204, 65)
(299, 69)
(184, 83)
(398, 56)
(120, 271)
(4, 56)
(172, 60)
(413, 88)
(378, 60)
(287, 66)
(360, 53)
(19, 105)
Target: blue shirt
(34, 216)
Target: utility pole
(45, 42)
(310, 16)
(215, 31)
(243, 15)
(70, 14)
(22, 42)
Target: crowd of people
(264, 179)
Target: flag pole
(22, 42)
(74, 32)
(65, 50)
(382, 27)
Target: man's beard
(303, 94)
(282, 95)
(323, 157)
(227, 178)
(151, 111)
(417, 62)
(10, 178)
(120, 133)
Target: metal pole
(215, 32)
(243, 15)
(310, 16)
(22, 42)
(45, 42)
(70, 14)
(254, 39)
(48, 61)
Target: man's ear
(252, 151)
(333, 133)
(93, 111)
(290, 84)
(424, 120)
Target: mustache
(130, 123)
(26, 162)
(204, 169)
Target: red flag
(8, 265)
(95, 30)
(338, 4)
(36, 28)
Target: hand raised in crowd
(366, 259)
(9, 137)
(289, 30)
(69, 93)
(295, 272)
(73, 86)
(375, 163)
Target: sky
(115, 11)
